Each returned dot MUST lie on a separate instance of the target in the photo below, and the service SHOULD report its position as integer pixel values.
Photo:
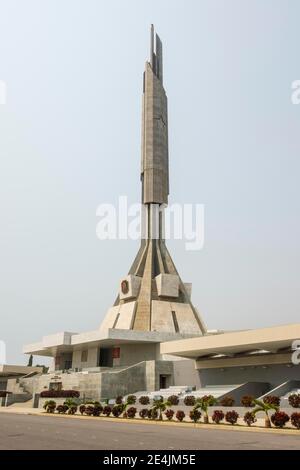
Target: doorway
(106, 357)
(164, 381)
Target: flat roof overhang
(269, 339)
(7, 370)
(68, 342)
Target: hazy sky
(70, 140)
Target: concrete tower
(152, 297)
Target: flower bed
(60, 394)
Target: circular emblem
(124, 287)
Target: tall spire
(155, 154)
(153, 297)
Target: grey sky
(70, 140)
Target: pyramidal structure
(153, 297)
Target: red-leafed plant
(89, 410)
(152, 413)
(97, 409)
(227, 401)
(217, 416)
(272, 400)
(119, 400)
(173, 400)
(144, 400)
(231, 417)
(117, 410)
(82, 409)
(195, 415)
(131, 400)
(107, 410)
(60, 394)
(180, 415)
(249, 418)
(189, 400)
(169, 414)
(61, 409)
(143, 413)
(295, 420)
(294, 400)
(131, 412)
(247, 401)
(279, 419)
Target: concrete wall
(107, 383)
(185, 373)
(92, 358)
(273, 374)
(3, 383)
(132, 353)
(130, 380)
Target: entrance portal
(106, 357)
(164, 381)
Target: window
(57, 386)
(84, 355)
(175, 321)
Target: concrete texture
(274, 374)
(43, 432)
(167, 285)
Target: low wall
(17, 398)
(255, 389)
(129, 380)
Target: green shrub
(50, 406)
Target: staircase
(19, 395)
